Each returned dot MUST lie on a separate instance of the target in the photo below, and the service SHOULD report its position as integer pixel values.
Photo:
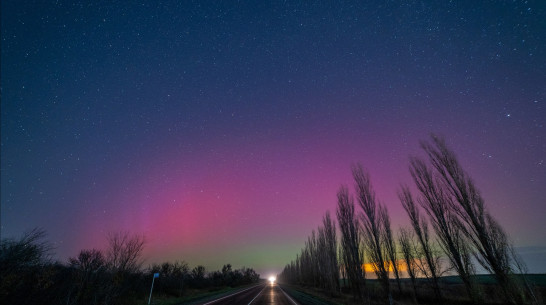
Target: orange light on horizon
(370, 267)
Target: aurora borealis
(222, 131)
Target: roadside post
(152, 289)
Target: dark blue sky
(112, 111)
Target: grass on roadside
(194, 296)
(306, 297)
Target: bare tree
(438, 204)
(23, 268)
(88, 261)
(317, 264)
(327, 253)
(30, 251)
(390, 246)
(322, 267)
(373, 224)
(304, 269)
(124, 252)
(180, 273)
(486, 235)
(342, 266)
(350, 241)
(313, 260)
(420, 227)
(407, 245)
(89, 275)
(198, 272)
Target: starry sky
(221, 130)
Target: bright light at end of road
(272, 279)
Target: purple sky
(223, 131)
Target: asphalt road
(259, 295)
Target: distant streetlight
(153, 280)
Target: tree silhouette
(431, 267)
(124, 252)
(406, 239)
(23, 264)
(390, 246)
(90, 276)
(350, 241)
(463, 229)
(373, 222)
(198, 276)
(327, 250)
(485, 233)
(437, 202)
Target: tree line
(29, 275)
(451, 230)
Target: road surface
(270, 294)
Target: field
(452, 291)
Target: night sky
(222, 130)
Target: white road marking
(227, 296)
(288, 296)
(257, 295)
